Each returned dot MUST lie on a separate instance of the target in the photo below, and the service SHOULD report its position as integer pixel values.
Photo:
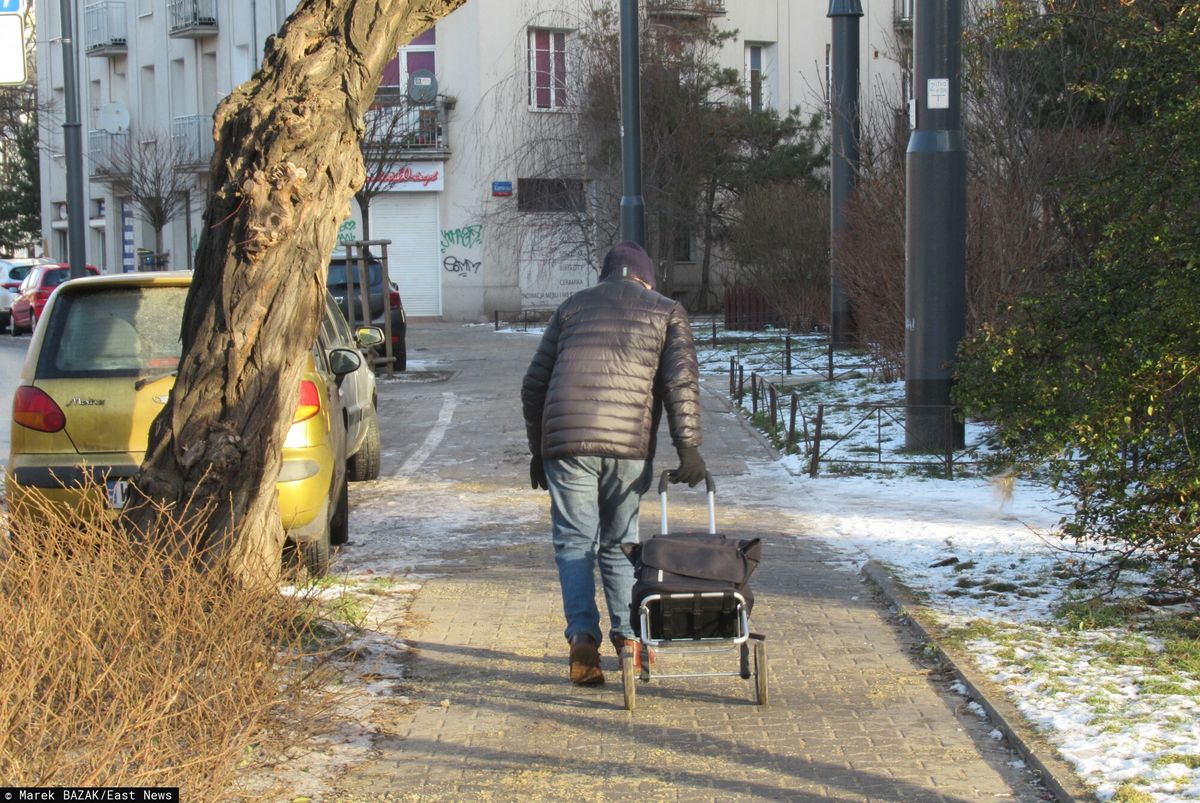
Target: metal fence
(865, 435)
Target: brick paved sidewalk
(855, 713)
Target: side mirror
(344, 361)
(368, 337)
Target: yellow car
(99, 368)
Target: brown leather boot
(585, 661)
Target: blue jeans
(593, 510)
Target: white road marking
(413, 464)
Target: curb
(1037, 753)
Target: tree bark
(287, 160)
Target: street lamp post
(72, 146)
(844, 159)
(935, 229)
(633, 208)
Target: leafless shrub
(122, 666)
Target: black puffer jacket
(611, 357)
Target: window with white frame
(419, 54)
(547, 68)
(760, 76)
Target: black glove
(691, 467)
(537, 474)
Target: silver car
(358, 392)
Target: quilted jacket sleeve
(537, 382)
(679, 381)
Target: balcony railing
(105, 150)
(686, 8)
(105, 28)
(193, 19)
(416, 129)
(904, 14)
(193, 142)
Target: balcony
(192, 19)
(104, 28)
(108, 154)
(904, 14)
(408, 131)
(685, 8)
(192, 139)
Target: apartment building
(151, 73)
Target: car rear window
(18, 272)
(114, 332)
(337, 274)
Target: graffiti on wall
(463, 237)
(468, 239)
(348, 232)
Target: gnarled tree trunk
(287, 162)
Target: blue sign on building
(502, 189)
(10, 6)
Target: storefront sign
(413, 177)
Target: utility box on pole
(935, 229)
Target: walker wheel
(628, 676)
(760, 672)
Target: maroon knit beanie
(628, 259)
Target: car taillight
(10, 285)
(34, 409)
(310, 402)
(394, 299)
(42, 293)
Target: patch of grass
(1000, 587)
(1129, 792)
(966, 582)
(1169, 688)
(964, 566)
(1190, 761)
(1093, 614)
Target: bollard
(497, 320)
(741, 383)
(831, 361)
(787, 354)
(732, 377)
(948, 418)
(754, 394)
(774, 401)
(816, 446)
(714, 332)
(792, 422)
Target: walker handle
(710, 488)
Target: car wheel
(6, 321)
(364, 464)
(32, 321)
(402, 350)
(316, 553)
(309, 546)
(339, 525)
(13, 329)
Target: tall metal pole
(633, 208)
(936, 226)
(73, 146)
(845, 157)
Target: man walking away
(611, 358)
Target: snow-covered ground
(1121, 701)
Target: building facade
(151, 73)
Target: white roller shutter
(410, 220)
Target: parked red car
(35, 289)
